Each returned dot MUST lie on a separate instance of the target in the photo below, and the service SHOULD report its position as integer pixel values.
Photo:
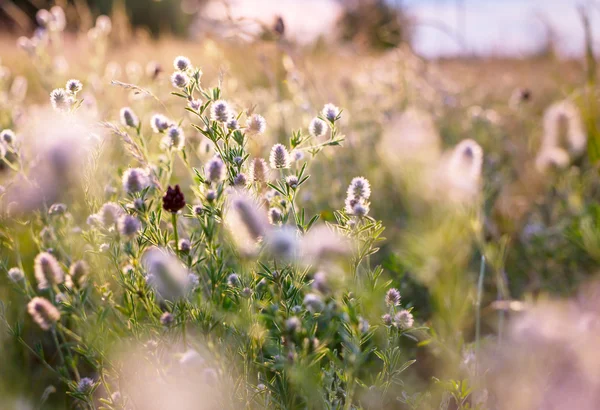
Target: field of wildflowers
(211, 225)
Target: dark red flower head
(173, 200)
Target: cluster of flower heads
(357, 197)
(397, 317)
(63, 99)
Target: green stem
(478, 312)
(175, 232)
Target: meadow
(216, 224)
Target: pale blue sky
(490, 26)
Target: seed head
(135, 180)
(180, 80)
(174, 138)
(313, 303)
(220, 111)
(392, 297)
(60, 99)
(47, 271)
(215, 170)
(279, 158)
(78, 274)
(109, 214)
(317, 128)
(128, 226)
(43, 312)
(167, 319)
(173, 201)
(73, 86)
(16, 275)
(403, 320)
(258, 170)
(292, 181)
(8, 137)
(331, 112)
(195, 104)
(181, 63)
(275, 216)
(256, 124)
(85, 385)
(184, 245)
(359, 188)
(240, 180)
(159, 123)
(128, 118)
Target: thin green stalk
(175, 232)
(478, 312)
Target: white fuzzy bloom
(165, 274)
(256, 124)
(159, 123)
(60, 99)
(317, 128)
(313, 303)
(128, 226)
(459, 173)
(135, 180)
(404, 320)
(552, 157)
(128, 118)
(109, 213)
(180, 79)
(174, 138)
(16, 274)
(220, 111)
(73, 86)
(215, 170)
(103, 25)
(8, 137)
(259, 171)
(47, 271)
(279, 157)
(43, 312)
(330, 112)
(181, 63)
(359, 188)
(564, 112)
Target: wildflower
(552, 157)
(360, 209)
(128, 226)
(560, 112)
(167, 319)
(220, 111)
(246, 292)
(174, 138)
(292, 181)
(60, 100)
(73, 86)
(85, 385)
(43, 312)
(109, 214)
(233, 125)
(320, 282)
(173, 201)
(317, 128)
(233, 280)
(16, 275)
(240, 180)
(180, 80)
(43, 17)
(363, 325)
(181, 63)
(275, 216)
(128, 118)
(297, 155)
(258, 170)
(279, 158)
(8, 137)
(387, 319)
(184, 245)
(165, 274)
(57, 209)
(211, 195)
(462, 172)
(359, 188)
(195, 104)
(159, 123)
(293, 324)
(116, 397)
(78, 273)
(403, 320)
(104, 25)
(135, 180)
(215, 170)
(47, 271)
(193, 281)
(58, 21)
(331, 112)
(256, 124)
(313, 303)
(249, 216)
(198, 209)
(392, 297)
(282, 243)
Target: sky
(512, 27)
